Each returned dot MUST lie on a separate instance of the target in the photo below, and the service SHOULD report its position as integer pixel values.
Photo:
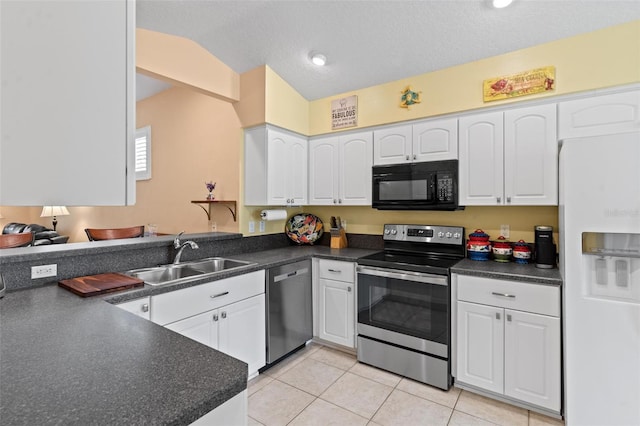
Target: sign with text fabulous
(344, 112)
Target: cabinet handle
(224, 315)
(288, 200)
(349, 289)
(145, 307)
(337, 271)
(414, 156)
(339, 200)
(213, 296)
(499, 199)
(335, 201)
(497, 315)
(513, 296)
(215, 317)
(407, 158)
(508, 199)
(509, 317)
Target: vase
(210, 197)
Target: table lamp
(48, 211)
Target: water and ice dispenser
(612, 263)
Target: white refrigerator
(600, 264)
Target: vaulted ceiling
(371, 42)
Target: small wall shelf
(229, 204)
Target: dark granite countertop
(69, 360)
(510, 271)
(262, 260)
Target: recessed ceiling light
(318, 59)
(499, 4)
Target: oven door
(405, 308)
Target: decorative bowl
(304, 228)
(521, 252)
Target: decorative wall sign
(409, 97)
(521, 84)
(344, 112)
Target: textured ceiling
(371, 42)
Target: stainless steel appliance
(545, 248)
(431, 185)
(289, 308)
(404, 302)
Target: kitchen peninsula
(86, 361)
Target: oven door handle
(404, 275)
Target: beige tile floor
(322, 386)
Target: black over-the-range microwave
(431, 185)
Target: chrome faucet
(181, 246)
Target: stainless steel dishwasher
(289, 308)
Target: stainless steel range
(404, 302)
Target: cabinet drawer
(179, 304)
(521, 296)
(336, 270)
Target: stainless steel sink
(167, 274)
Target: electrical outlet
(504, 231)
(261, 225)
(44, 271)
(252, 227)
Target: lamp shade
(48, 211)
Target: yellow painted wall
(284, 106)
(604, 58)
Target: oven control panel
(424, 233)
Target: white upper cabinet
(599, 115)
(435, 140)
(509, 158)
(430, 140)
(392, 145)
(531, 156)
(340, 169)
(481, 141)
(275, 167)
(68, 113)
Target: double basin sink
(168, 274)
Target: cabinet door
(531, 156)
(324, 171)
(355, 161)
(532, 358)
(336, 312)
(599, 115)
(202, 328)
(481, 160)
(297, 177)
(68, 92)
(139, 307)
(242, 332)
(278, 165)
(480, 334)
(435, 140)
(392, 145)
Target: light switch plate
(504, 231)
(261, 225)
(252, 227)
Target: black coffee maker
(545, 248)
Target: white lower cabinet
(505, 350)
(227, 315)
(336, 302)
(233, 412)
(139, 307)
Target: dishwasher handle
(288, 275)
